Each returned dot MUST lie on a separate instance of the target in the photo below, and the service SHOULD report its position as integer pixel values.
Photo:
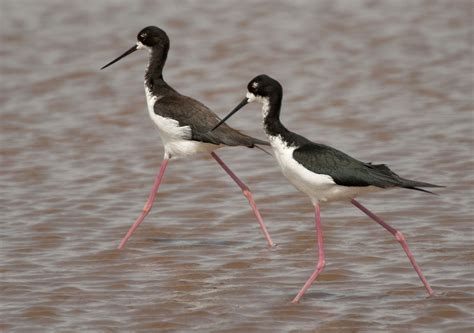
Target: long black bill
(237, 108)
(129, 51)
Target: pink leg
(148, 204)
(400, 238)
(249, 197)
(321, 260)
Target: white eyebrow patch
(255, 85)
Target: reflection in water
(384, 81)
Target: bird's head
(150, 38)
(261, 89)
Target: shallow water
(384, 81)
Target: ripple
(388, 82)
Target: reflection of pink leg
(248, 195)
(148, 204)
(321, 260)
(400, 238)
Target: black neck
(154, 73)
(157, 61)
(273, 126)
(271, 122)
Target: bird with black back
(323, 173)
(183, 123)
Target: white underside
(176, 139)
(320, 188)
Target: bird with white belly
(322, 172)
(183, 123)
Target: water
(384, 81)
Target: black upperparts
(318, 158)
(190, 112)
(348, 171)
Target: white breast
(318, 187)
(176, 139)
(169, 128)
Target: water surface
(389, 82)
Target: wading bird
(322, 172)
(183, 123)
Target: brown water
(384, 81)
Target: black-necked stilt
(183, 122)
(322, 172)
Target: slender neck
(154, 71)
(273, 126)
(271, 115)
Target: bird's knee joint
(399, 236)
(246, 192)
(147, 207)
(321, 265)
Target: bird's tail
(416, 185)
(262, 149)
(256, 141)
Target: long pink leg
(249, 197)
(148, 205)
(321, 259)
(400, 238)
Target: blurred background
(385, 81)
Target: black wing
(347, 171)
(190, 112)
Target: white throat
(265, 101)
(140, 46)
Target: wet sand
(389, 82)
